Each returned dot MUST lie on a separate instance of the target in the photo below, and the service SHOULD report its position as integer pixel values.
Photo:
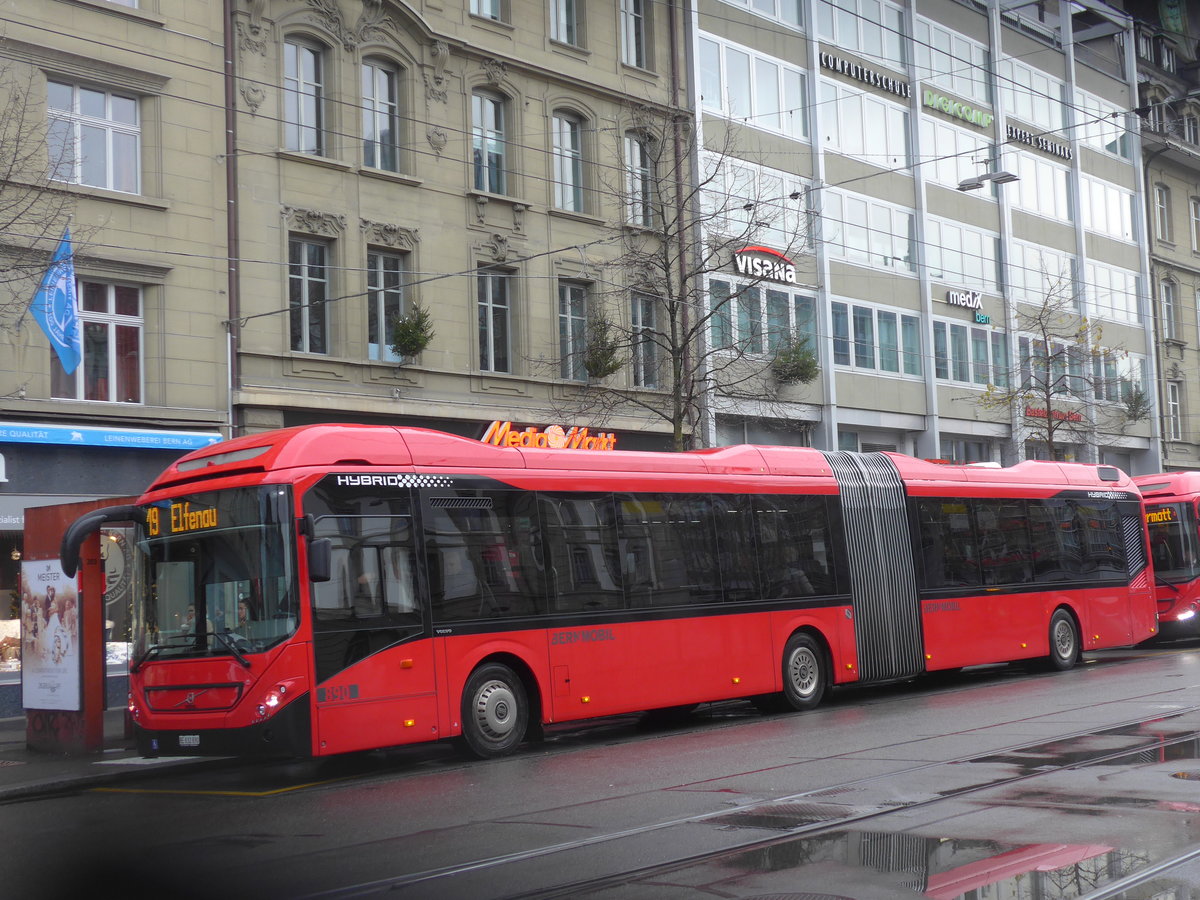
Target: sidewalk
(27, 773)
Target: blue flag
(54, 306)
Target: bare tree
(34, 209)
(661, 338)
(1070, 386)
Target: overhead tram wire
(617, 170)
(355, 139)
(241, 320)
(882, 276)
(809, 190)
(464, 135)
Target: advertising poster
(50, 636)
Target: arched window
(489, 125)
(567, 135)
(644, 325)
(1169, 309)
(639, 180)
(1162, 212)
(304, 97)
(381, 115)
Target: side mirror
(320, 559)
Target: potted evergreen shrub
(411, 333)
(601, 353)
(795, 363)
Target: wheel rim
(1064, 639)
(804, 672)
(495, 710)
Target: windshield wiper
(155, 649)
(183, 640)
(1159, 580)
(229, 645)
(150, 651)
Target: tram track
(809, 813)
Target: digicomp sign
(958, 109)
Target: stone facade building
(472, 160)
(1170, 110)
(112, 128)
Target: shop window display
(19, 619)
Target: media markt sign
(503, 434)
(764, 263)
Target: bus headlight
(272, 701)
(1186, 614)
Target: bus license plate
(189, 740)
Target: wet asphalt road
(1003, 781)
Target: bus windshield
(1173, 544)
(216, 575)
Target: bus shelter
(65, 629)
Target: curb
(104, 773)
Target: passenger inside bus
(1163, 553)
(792, 575)
(367, 601)
(189, 621)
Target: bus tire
(1064, 641)
(495, 711)
(805, 672)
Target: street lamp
(976, 182)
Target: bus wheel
(1064, 640)
(495, 711)
(805, 677)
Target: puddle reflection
(1143, 744)
(941, 868)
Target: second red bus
(1172, 499)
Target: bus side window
(1103, 539)
(333, 597)
(399, 578)
(949, 549)
(1004, 552)
(367, 601)
(481, 555)
(584, 566)
(669, 549)
(795, 551)
(733, 518)
(1055, 540)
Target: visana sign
(765, 263)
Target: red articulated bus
(334, 588)
(1171, 516)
